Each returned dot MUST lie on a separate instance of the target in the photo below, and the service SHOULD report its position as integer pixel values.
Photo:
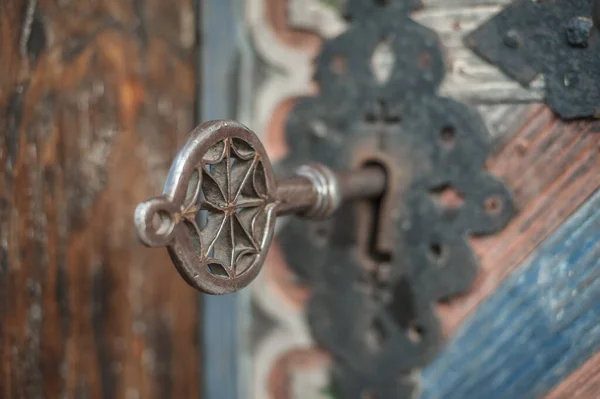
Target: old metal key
(217, 212)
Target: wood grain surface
(537, 328)
(582, 384)
(95, 97)
(551, 167)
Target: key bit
(217, 213)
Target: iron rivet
(578, 31)
(512, 39)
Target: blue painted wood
(536, 329)
(218, 60)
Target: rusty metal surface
(378, 267)
(552, 39)
(366, 182)
(296, 194)
(217, 211)
(216, 215)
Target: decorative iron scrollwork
(377, 269)
(553, 39)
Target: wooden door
(95, 97)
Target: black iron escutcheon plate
(379, 322)
(553, 38)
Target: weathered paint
(537, 328)
(549, 164)
(219, 71)
(551, 168)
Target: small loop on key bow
(156, 219)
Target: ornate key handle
(217, 212)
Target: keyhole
(374, 252)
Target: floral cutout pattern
(216, 215)
(231, 197)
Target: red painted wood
(551, 166)
(582, 384)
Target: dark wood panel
(95, 97)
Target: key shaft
(298, 194)
(217, 212)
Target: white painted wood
(469, 78)
(313, 16)
(274, 345)
(311, 384)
